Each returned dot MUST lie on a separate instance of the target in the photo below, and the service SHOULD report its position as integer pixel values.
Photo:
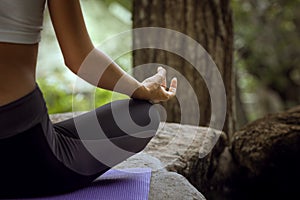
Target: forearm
(100, 70)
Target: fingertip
(174, 82)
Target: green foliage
(59, 100)
(267, 49)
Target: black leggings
(40, 158)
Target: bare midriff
(17, 70)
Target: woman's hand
(154, 88)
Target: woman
(41, 158)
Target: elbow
(74, 60)
(75, 56)
(72, 64)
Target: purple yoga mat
(125, 184)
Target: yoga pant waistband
(19, 115)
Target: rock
(164, 185)
(191, 151)
(142, 160)
(267, 153)
(172, 186)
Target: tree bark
(209, 22)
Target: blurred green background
(266, 57)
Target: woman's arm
(76, 45)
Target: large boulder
(267, 152)
(192, 151)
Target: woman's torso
(17, 70)
(20, 26)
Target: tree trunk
(209, 22)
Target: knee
(144, 114)
(131, 133)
